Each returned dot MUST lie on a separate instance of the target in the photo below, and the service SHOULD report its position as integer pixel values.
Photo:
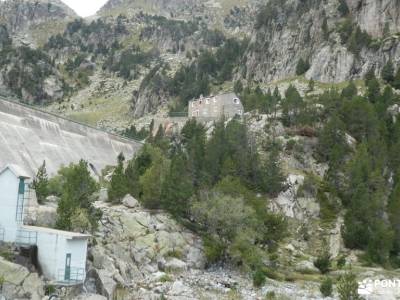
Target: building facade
(214, 107)
(61, 254)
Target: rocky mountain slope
(34, 21)
(137, 47)
(339, 44)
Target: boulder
(13, 274)
(306, 267)
(180, 289)
(34, 286)
(130, 202)
(174, 264)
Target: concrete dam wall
(29, 136)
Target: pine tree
(350, 91)
(343, 8)
(325, 29)
(302, 66)
(118, 185)
(40, 184)
(396, 80)
(373, 90)
(78, 187)
(177, 187)
(273, 177)
(388, 72)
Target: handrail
(76, 275)
(2, 234)
(26, 237)
(15, 101)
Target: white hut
(61, 254)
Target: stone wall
(29, 136)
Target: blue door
(67, 275)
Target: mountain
(132, 58)
(33, 21)
(340, 41)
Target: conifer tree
(273, 177)
(388, 72)
(302, 66)
(177, 187)
(118, 185)
(396, 80)
(77, 189)
(40, 184)
(343, 8)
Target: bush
(213, 250)
(323, 262)
(341, 262)
(259, 278)
(326, 287)
(302, 66)
(348, 287)
(40, 184)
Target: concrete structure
(13, 191)
(215, 107)
(61, 254)
(29, 136)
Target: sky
(85, 8)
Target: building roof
(17, 170)
(225, 98)
(67, 234)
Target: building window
(207, 101)
(236, 100)
(200, 102)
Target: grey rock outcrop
(19, 283)
(296, 33)
(21, 15)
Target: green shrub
(326, 287)
(259, 278)
(270, 295)
(175, 253)
(302, 66)
(323, 262)
(213, 249)
(2, 281)
(348, 287)
(7, 254)
(341, 262)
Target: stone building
(214, 107)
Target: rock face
(376, 16)
(19, 283)
(133, 244)
(20, 15)
(284, 41)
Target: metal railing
(26, 238)
(178, 114)
(2, 234)
(76, 276)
